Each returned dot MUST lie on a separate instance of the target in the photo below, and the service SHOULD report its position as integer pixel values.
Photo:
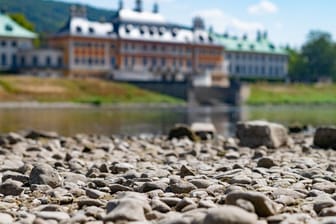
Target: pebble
(229, 215)
(93, 179)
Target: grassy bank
(262, 93)
(26, 88)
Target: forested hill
(48, 16)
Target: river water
(153, 120)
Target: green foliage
(92, 91)
(266, 93)
(49, 16)
(22, 20)
(315, 60)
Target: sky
(286, 21)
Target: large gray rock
(129, 207)
(261, 133)
(263, 206)
(325, 137)
(6, 218)
(229, 215)
(44, 174)
(204, 131)
(11, 187)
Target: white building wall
(246, 64)
(9, 48)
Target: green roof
(263, 45)
(9, 28)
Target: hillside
(26, 88)
(48, 16)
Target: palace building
(139, 45)
(13, 39)
(135, 45)
(253, 59)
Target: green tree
(319, 54)
(23, 21)
(297, 66)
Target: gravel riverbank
(48, 178)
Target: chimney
(156, 8)
(77, 11)
(121, 4)
(138, 6)
(198, 23)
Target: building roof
(80, 26)
(9, 28)
(260, 45)
(147, 17)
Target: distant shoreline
(71, 105)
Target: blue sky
(287, 21)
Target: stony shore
(47, 178)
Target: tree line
(315, 60)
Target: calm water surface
(135, 121)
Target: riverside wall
(197, 95)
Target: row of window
(89, 45)
(155, 48)
(7, 43)
(153, 61)
(256, 70)
(35, 62)
(89, 61)
(256, 57)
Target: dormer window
(152, 31)
(8, 27)
(174, 32)
(79, 29)
(161, 31)
(128, 28)
(210, 39)
(143, 30)
(201, 38)
(91, 30)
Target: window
(48, 61)
(133, 61)
(125, 61)
(35, 61)
(189, 63)
(14, 60)
(3, 59)
(113, 62)
(14, 44)
(91, 30)
(60, 62)
(163, 62)
(153, 62)
(3, 43)
(8, 27)
(22, 61)
(144, 61)
(79, 29)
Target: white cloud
(222, 22)
(263, 7)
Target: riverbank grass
(264, 93)
(95, 91)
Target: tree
(319, 53)
(315, 60)
(22, 21)
(297, 69)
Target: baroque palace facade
(135, 44)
